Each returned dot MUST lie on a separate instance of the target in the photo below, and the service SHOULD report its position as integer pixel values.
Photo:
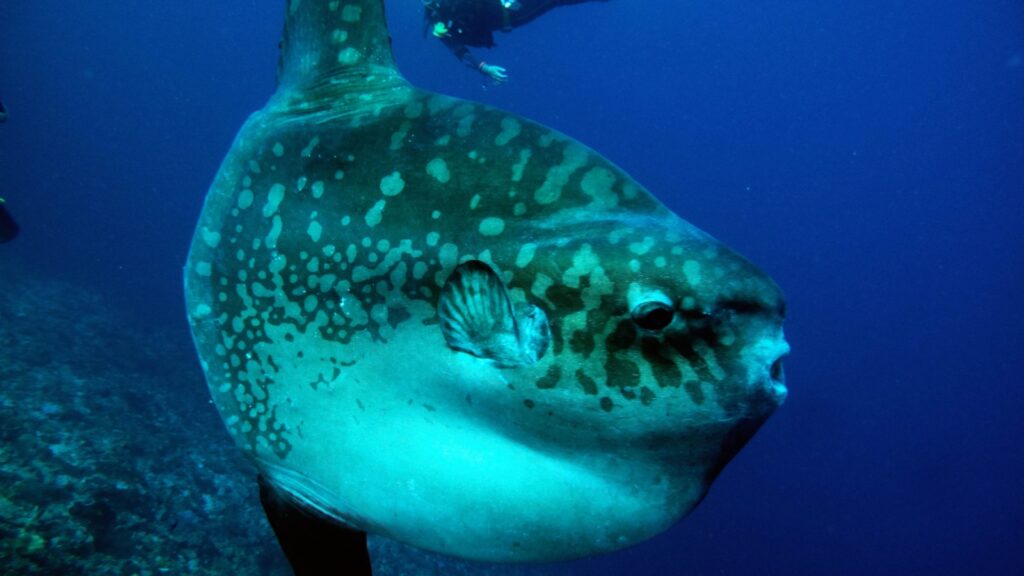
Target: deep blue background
(869, 155)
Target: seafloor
(114, 462)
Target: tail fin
(331, 39)
(336, 61)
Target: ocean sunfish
(432, 320)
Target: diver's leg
(531, 10)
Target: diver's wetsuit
(473, 22)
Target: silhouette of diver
(8, 227)
(462, 23)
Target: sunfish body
(436, 321)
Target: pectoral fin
(477, 317)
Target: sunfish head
(439, 322)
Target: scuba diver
(461, 23)
(8, 227)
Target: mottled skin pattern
(313, 283)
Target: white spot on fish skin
(465, 127)
(317, 189)
(301, 184)
(641, 248)
(597, 183)
(346, 220)
(398, 138)
(443, 140)
(574, 157)
(349, 56)
(339, 36)
(419, 269)
(278, 149)
(526, 253)
(309, 303)
(379, 314)
(275, 232)
(583, 262)
(351, 13)
(353, 309)
(692, 271)
(448, 257)
(211, 238)
(433, 238)
(274, 198)
(435, 214)
(314, 230)
(660, 262)
(438, 168)
(510, 128)
(492, 226)
(520, 167)
(375, 213)
(202, 310)
(339, 174)
(519, 209)
(392, 184)
(308, 150)
(474, 202)
(204, 269)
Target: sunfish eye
(653, 315)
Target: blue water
(868, 155)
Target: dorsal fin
(333, 49)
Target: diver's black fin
(313, 544)
(8, 227)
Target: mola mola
(439, 322)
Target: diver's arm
(461, 52)
(496, 73)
